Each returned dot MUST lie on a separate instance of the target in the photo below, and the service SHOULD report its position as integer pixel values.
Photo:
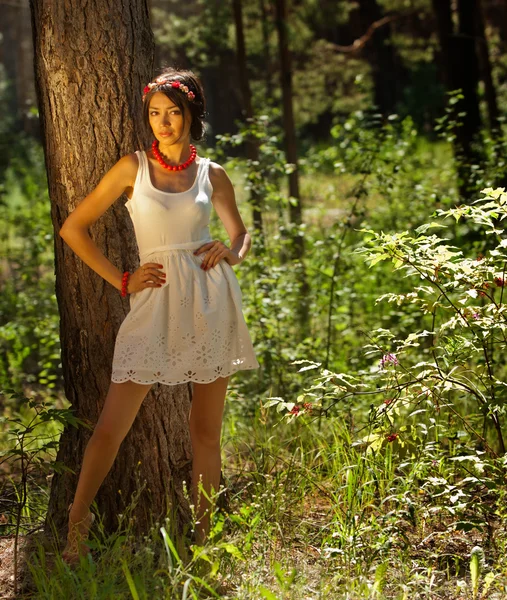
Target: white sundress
(192, 328)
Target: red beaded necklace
(185, 165)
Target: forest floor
(288, 535)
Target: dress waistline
(183, 246)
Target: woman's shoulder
(217, 174)
(129, 165)
(130, 159)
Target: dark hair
(197, 106)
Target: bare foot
(76, 538)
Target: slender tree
(90, 68)
(467, 68)
(252, 147)
(486, 70)
(459, 62)
(445, 30)
(16, 59)
(385, 63)
(295, 206)
(267, 70)
(295, 210)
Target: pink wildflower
(388, 358)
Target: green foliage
(263, 176)
(204, 31)
(459, 359)
(30, 444)
(463, 301)
(29, 326)
(29, 440)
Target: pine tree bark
(90, 68)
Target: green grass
(311, 515)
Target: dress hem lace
(128, 377)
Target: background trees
(345, 55)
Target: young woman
(185, 321)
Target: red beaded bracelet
(124, 283)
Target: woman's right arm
(75, 228)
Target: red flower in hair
(175, 84)
(146, 89)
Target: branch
(362, 41)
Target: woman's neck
(174, 153)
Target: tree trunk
(460, 63)
(496, 14)
(16, 57)
(288, 118)
(265, 46)
(295, 208)
(90, 73)
(486, 71)
(382, 56)
(445, 30)
(252, 147)
(467, 68)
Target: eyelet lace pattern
(190, 329)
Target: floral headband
(175, 84)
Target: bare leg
(206, 415)
(121, 406)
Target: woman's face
(166, 120)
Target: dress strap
(204, 181)
(143, 162)
(202, 169)
(141, 168)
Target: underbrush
(311, 514)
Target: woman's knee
(107, 435)
(204, 434)
(119, 411)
